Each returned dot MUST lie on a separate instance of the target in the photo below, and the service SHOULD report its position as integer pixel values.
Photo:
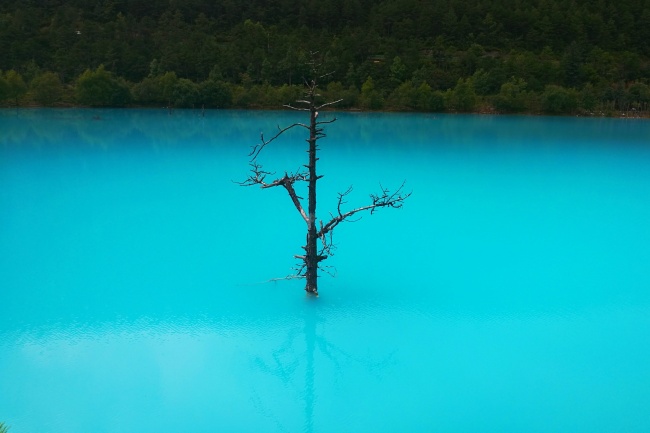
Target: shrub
(512, 96)
(335, 91)
(588, 99)
(215, 94)
(639, 95)
(185, 93)
(47, 88)
(427, 99)
(4, 88)
(370, 97)
(148, 91)
(462, 97)
(403, 97)
(16, 87)
(99, 88)
(558, 100)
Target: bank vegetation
(496, 56)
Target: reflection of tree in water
(286, 360)
(110, 128)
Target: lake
(511, 293)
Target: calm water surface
(510, 294)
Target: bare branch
(327, 243)
(384, 199)
(326, 75)
(327, 104)
(324, 122)
(342, 200)
(296, 108)
(288, 277)
(257, 176)
(258, 147)
(287, 182)
(300, 269)
(332, 273)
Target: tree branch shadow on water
(286, 362)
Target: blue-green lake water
(510, 294)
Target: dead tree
(316, 232)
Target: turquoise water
(510, 294)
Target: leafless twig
(384, 199)
(263, 142)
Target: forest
(587, 57)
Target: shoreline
(631, 114)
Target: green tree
(289, 94)
(488, 82)
(185, 93)
(572, 65)
(333, 92)
(426, 99)
(639, 96)
(512, 97)
(643, 31)
(155, 69)
(558, 100)
(16, 85)
(630, 66)
(588, 99)
(397, 71)
(215, 94)
(4, 87)
(403, 97)
(167, 85)
(370, 97)
(337, 91)
(148, 91)
(489, 30)
(450, 23)
(617, 96)
(266, 71)
(99, 88)
(462, 97)
(47, 88)
(266, 95)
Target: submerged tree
(319, 235)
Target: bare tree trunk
(311, 257)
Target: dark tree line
(503, 55)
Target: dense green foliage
(548, 56)
(100, 88)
